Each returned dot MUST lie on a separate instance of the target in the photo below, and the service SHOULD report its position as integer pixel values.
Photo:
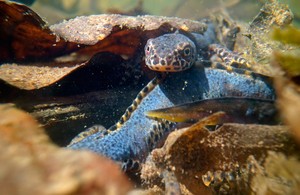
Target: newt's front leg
(230, 58)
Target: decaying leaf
(287, 82)
(193, 153)
(58, 50)
(31, 164)
(278, 175)
(91, 29)
(31, 76)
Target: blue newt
(139, 135)
(183, 54)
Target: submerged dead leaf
(191, 154)
(31, 164)
(25, 37)
(91, 29)
(287, 83)
(34, 77)
(278, 175)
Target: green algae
(289, 60)
(288, 35)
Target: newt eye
(187, 51)
(147, 50)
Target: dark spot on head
(163, 62)
(182, 62)
(169, 59)
(176, 63)
(155, 60)
(176, 58)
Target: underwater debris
(191, 153)
(255, 40)
(40, 48)
(287, 82)
(289, 60)
(287, 35)
(245, 140)
(279, 175)
(91, 29)
(31, 164)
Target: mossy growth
(288, 35)
(290, 59)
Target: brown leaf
(24, 35)
(191, 153)
(52, 54)
(31, 164)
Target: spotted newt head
(170, 53)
